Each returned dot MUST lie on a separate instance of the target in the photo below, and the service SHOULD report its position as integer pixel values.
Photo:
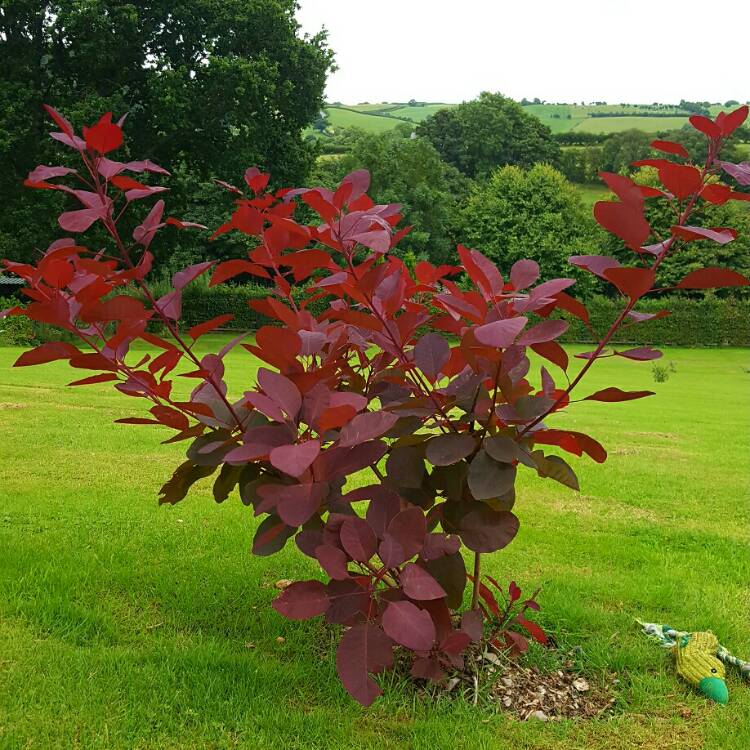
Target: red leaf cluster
(422, 381)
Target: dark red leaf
(127, 183)
(729, 123)
(427, 668)
(472, 625)
(571, 305)
(256, 180)
(642, 354)
(716, 193)
(640, 317)
(282, 391)
(170, 417)
(450, 572)
(456, 643)
(404, 537)
(59, 120)
(681, 180)
(104, 377)
(182, 278)
(706, 126)
(533, 629)
(632, 282)
(418, 584)
(302, 600)
(501, 333)
(271, 536)
(333, 561)
(42, 172)
(625, 189)
(613, 395)
(448, 449)
(229, 269)
(624, 220)
(350, 602)
(295, 460)
(670, 147)
(722, 236)
(553, 352)
(524, 273)
(543, 332)
(514, 592)
(488, 478)
(431, 353)
(482, 271)
(80, 220)
(740, 172)
(597, 264)
(364, 649)
(364, 427)
(358, 539)
(144, 233)
(105, 136)
(409, 626)
(485, 530)
(47, 352)
(295, 504)
(712, 278)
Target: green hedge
(200, 303)
(693, 322)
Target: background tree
(210, 86)
(693, 255)
(491, 131)
(533, 214)
(621, 149)
(408, 171)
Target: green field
(338, 117)
(560, 118)
(592, 192)
(618, 124)
(126, 625)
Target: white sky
(636, 51)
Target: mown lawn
(127, 625)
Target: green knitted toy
(700, 659)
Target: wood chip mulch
(530, 694)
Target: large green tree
(533, 213)
(211, 86)
(491, 131)
(407, 170)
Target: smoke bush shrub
(442, 410)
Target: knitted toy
(700, 659)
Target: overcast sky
(636, 51)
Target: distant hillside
(560, 118)
(379, 117)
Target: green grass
(417, 114)
(591, 193)
(618, 124)
(339, 117)
(125, 625)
